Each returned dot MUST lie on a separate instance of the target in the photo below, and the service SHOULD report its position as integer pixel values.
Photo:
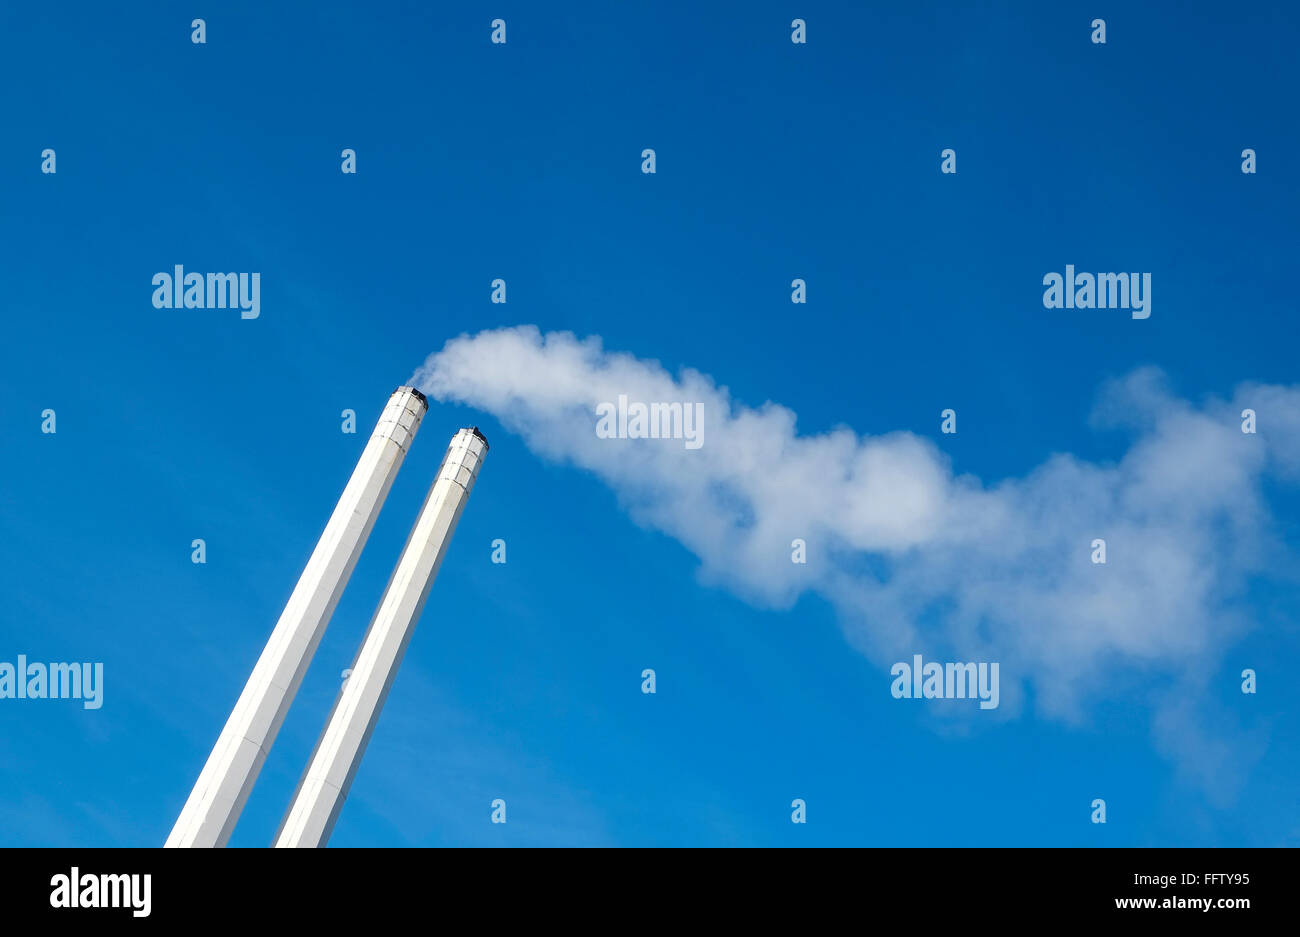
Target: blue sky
(774, 161)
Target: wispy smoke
(917, 559)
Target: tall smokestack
(223, 786)
(324, 785)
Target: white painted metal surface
(324, 785)
(224, 784)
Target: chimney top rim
(414, 392)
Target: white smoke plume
(919, 560)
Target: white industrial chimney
(223, 786)
(324, 785)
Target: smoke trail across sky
(918, 559)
